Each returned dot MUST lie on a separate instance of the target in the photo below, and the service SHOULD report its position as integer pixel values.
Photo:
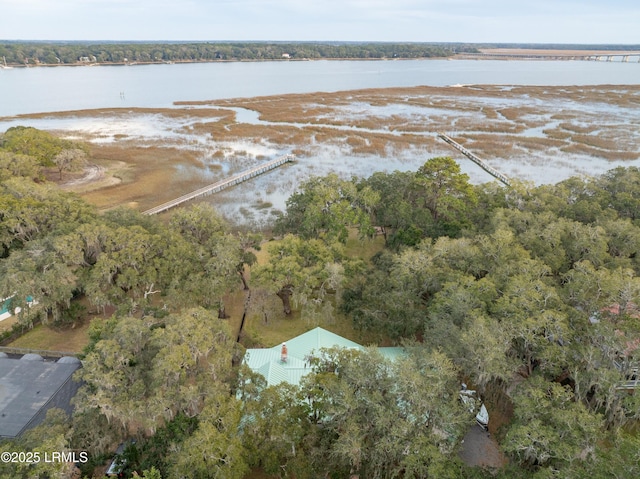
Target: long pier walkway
(222, 184)
(492, 171)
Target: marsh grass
(489, 148)
(557, 134)
(500, 127)
(262, 205)
(596, 141)
(582, 149)
(158, 170)
(150, 178)
(127, 112)
(573, 128)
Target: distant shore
(484, 54)
(184, 62)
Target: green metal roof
(268, 361)
(392, 353)
(302, 346)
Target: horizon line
(3, 40)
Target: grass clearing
(7, 324)
(48, 338)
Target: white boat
(4, 65)
(482, 418)
(473, 403)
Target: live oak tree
(446, 193)
(300, 270)
(207, 260)
(93, 433)
(486, 344)
(30, 141)
(70, 159)
(147, 375)
(326, 207)
(264, 305)
(141, 373)
(53, 435)
(40, 282)
(621, 191)
(623, 243)
(249, 243)
(36, 222)
(394, 213)
(278, 430)
(215, 450)
(433, 201)
(128, 269)
(383, 418)
(622, 458)
(359, 413)
(379, 301)
(30, 211)
(550, 428)
(15, 165)
(453, 311)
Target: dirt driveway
(479, 448)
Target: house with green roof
(293, 363)
(290, 361)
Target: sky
(472, 21)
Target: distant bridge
(221, 185)
(602, 57)
(492, 171)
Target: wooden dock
(492, 171)
(221, 185)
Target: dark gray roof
(32, 357)
(68, 360)
(29, 388)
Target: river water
(47, 89)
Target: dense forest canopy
(31, 53)
(69, 53)
(529, 293)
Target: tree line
(71, 53)
(527, 292)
